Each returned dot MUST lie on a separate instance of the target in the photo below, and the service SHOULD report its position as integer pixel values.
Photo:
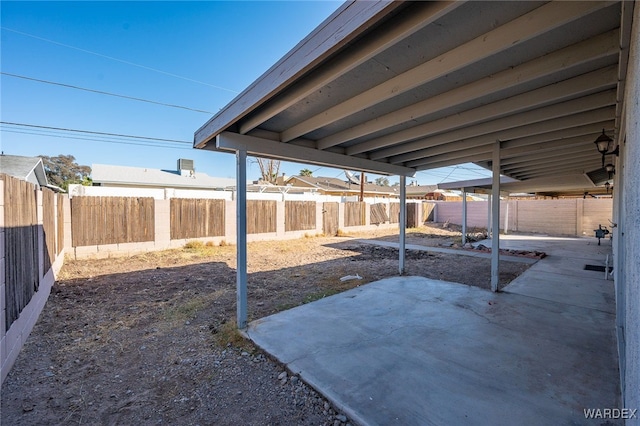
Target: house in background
(124, 181)
(341, 188)
(30, 169)
(185, 177)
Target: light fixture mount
(603, 145)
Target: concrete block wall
(451, 211)
(573, 217)
(163, 239)
(12, 340)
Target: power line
(103, 93)
(93, 132)
(119, 60)
(153, 145)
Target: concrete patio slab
(418, 351)
(561, 276)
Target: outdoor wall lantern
(603, 143)
(610, 168)
(607, 185)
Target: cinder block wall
(163, 239)
(569, 217)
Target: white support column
(489, 216)
(464, 215)
(506, 218)
(495, 218)
(241, 238)
(403, 223)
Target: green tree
(382, 181)
(63, 170)
(305, 172)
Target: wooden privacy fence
(195, 218)
(427, 212)
(330, 218)
(261, 216)
(49, 227)
(299, 215)
(354, 213)
(22, 276)
(60, 223)
(394, 212)
(378, 214)
(111, 220)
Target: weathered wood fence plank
(261, 216)
(394, 212)
(354, 213)
(379, 214)
(299, 215)
(111, 220)
(330, 218)
(22, 271)
(196, 218)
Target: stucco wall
(630, 250)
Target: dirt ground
(151, 339)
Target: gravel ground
(151, 339)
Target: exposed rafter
(600, 47)
(504, 128)
(515, 32)
(424, 16)
(409, 85)
(583, 85)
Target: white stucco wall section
(630, 250)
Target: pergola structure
(522, 88)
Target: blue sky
(198, 55)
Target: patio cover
(523, 88)
(396, 87)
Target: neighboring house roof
(30, 169)
(139, 176)
(420, 190)
(328, 184)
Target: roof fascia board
(346, 23)
(231, 142)
(40, 173)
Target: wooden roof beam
(232, 142)
(586, 84)
(601, 46)
(542, 127)
(496, 128)
(425, 14)
(526, 27)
